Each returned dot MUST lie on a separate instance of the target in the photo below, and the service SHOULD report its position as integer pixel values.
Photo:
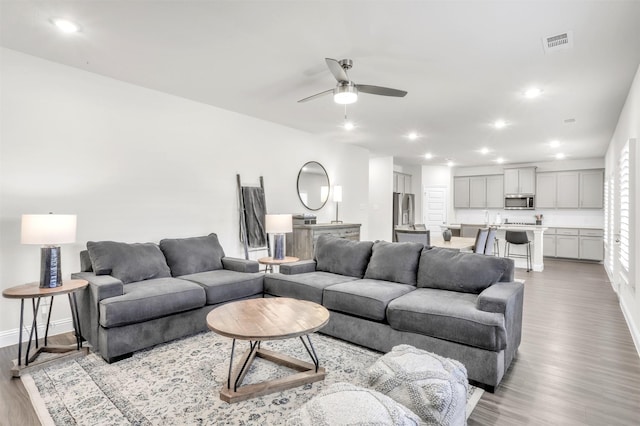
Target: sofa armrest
(240, 265)
(101, 286)
(299, 267)
(506, 298)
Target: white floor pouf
(433, 387)
(347, 404)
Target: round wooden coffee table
(257, 320)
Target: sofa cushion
(448, 315)
(396, 262)
(146, 300)
(341, 256)
(128, 262)
(306, 286)
(223, 285)
(364, 298)
(192, 255)
(467, 272)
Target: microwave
(518, 202)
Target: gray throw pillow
(128, 262)
(447, 269)
(341, 256)
(187, 256)
(396, 262)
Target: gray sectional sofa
(140, 295)
(463, 306)
(459, 305)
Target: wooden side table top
(33, 290)
(272, 261)
(267, 319)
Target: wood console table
(301, 242)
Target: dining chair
(481, 240)
(490, 245)
(423, 237)
(468, 230)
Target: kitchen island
(535, 234)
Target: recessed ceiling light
(499, 124)
(554, 143)
(428, 156)
(412, 136)
(449, 163)
(65, 25)
(532, 92)
(348, 125)
(484, 151)
(499, 160)
(559, 156)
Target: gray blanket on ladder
(255, 209)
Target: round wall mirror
(313, 185)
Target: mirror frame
(298, 185)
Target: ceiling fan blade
(336, 69)
(377, 90)
(317, 95)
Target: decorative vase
(446, 235)
(538, 222)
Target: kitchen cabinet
(567, 246)
(520, 181)
(402, 182)
(461, 192)
(591, 189)
(478, 192)
(546, 190)
(591, 244)
(549, 243)
(495, 192)
(568, 190)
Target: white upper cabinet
(461, 192)
(495, 191)
(520, 181)
(591, 189)
(568, 190)
(478, 192)
(546, 191)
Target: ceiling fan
(346, 91)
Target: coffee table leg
(253, 347)
(233, 347)
(312, 352)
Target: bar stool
(519, 238)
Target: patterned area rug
(178, 383)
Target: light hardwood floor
(577, 364)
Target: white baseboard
(10, 337)
(635, 333)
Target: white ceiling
(464, 64)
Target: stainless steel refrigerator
(403, 211)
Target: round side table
(34, 292)
(270, 262)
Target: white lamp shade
(48, 229)
(279, 223)
(337, 193)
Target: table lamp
(278, 225)
(337, 198)
(49, 230)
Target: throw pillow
(446, 269)
(347, 404)
(128, 262)
(433, 387)
(341, 256)
(396, 262)
(187, 256)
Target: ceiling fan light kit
(346, 91)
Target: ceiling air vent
(558, 41)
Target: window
(624, 207)
(609, 224)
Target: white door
(435, 207)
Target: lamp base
(278, 246)
(50, 273)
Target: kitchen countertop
(531, 227)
